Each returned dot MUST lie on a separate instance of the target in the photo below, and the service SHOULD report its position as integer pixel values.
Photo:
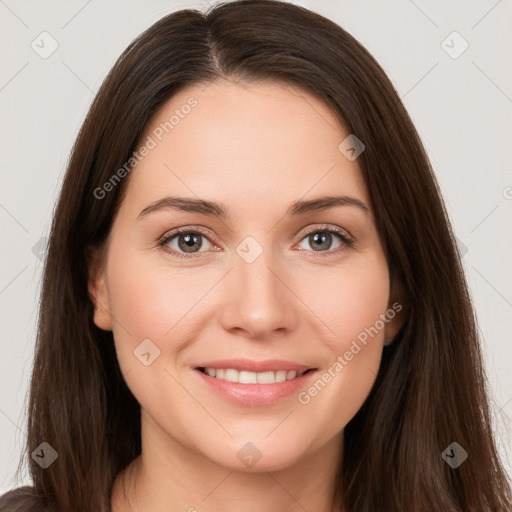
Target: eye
(184, 243)
(321, 240)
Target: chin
(260, 455)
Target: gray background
(461, 107)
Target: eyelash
(347, 241)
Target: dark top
(22, 499)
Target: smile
(247, 377)
(246, 382)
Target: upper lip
(255, 366)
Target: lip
(269, 365)
(255, 394)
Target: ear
(97, 288)
(396, 312)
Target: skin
(256, 148)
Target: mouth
(254, 383)
(248, 377)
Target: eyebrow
(191, 204)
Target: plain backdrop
(459, 98)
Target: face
(255, 288)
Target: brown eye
(322, 240)
(184, 242)
(189, 242)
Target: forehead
(255, 144)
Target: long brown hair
(430, 390)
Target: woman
(252, 297)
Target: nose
(258, 299)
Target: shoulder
(22, 499)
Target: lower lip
(255, 394)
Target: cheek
(149, 305)
(146, 304)
(351, 300)
(139, 301)
(150, 299)
(357, 297)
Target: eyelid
(324, 227)
(189, 229)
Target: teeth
(244, 377)
(247, 377)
